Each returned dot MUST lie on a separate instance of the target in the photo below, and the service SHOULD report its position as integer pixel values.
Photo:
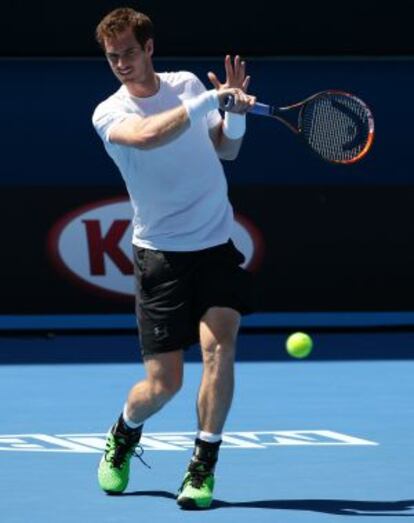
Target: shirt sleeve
(105, 117)
(213, 117)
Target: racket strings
(336, 127)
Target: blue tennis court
(312, 440)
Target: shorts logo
(160, 332)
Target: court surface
(306, 441)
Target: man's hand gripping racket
(337, 125)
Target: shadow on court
(341, 507)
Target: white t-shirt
(178, 191)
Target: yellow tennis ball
(299, 345)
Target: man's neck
(144, 89)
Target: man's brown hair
(119, 20)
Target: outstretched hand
(235, 75)
(236, 84)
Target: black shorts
(175, 289)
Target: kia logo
(92, 246)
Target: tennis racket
(337, 125)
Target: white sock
(208, 437)
(128, 421)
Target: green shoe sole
(190, 504)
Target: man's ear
(149, 46)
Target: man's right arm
(159, 129)
(152, 131)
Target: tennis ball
(299, 345)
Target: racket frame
(277, 113)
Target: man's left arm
(227, 136)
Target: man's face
(128, 61)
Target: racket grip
(261, 109)
(258, 108)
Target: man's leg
(218, 333)
(164, 378)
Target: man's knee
(219, 349)
(218, 330)
(217, 358)
(165, 387)
(165, 374)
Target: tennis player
(166, 135)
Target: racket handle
(261, 109)
(258, 108)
